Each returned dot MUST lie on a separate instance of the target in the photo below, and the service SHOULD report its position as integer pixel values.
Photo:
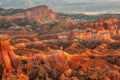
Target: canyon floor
(39, 44)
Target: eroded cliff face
(97, 37)
(37, 13)
(60, 65)
(100, 36)
(62, 50)
(108, 23)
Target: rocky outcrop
(36, 15)
(60, 65)
(102, 47)
(38, 12)
(100, 36)
(108, 23)
(11, 11)
(56, 27)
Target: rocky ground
(53, 47)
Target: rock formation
(59, 50)
(110, 23)
(90, 36)
(38, 12)
(60, 65)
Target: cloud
(105, 0)
(113, 0)
(0, 3)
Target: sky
(74, 1)
(67, 6)
(31, 3)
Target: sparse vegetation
(58, 48)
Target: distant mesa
(38, 12)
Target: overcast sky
(92, 0)
(67, 0)
(30, 3)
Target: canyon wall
(110, 23)
(37, 13)
(89, 36)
